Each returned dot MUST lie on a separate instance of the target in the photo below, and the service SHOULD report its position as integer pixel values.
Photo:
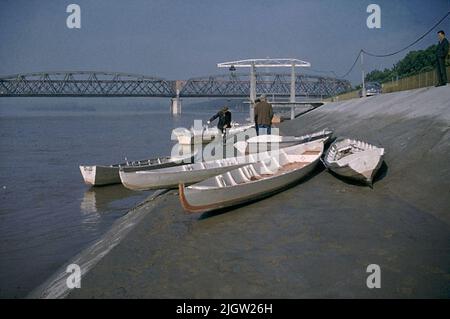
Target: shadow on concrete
(382, 172)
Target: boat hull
(158, 180)
(189, 140)
(98, 175)
(209, 200)
(192, 173)
(198, 199)
(190, 137)
(361, 166)
(365, 177)
(263, 143)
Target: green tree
(413, 63)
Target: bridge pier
(292, 96)
(175, 105)
(252, 91)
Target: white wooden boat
(188, 174)
(267, 142)
(253, 181)
(98, 175)
(205, 134)
(354, 159)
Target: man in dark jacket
(263, 115)
(441, 54)
(224, 119)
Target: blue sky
(182, 39)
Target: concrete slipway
(315, 239)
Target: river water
(47, 214)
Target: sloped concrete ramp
(317, 238)
(413, 127)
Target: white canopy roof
(270, 63)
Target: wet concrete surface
(316, 239)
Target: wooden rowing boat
(354, 159)
(187, 174)
(205, 134)
(253, 181)
(261, 143)
(99, 175)
(190, 173)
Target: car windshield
(373, 85)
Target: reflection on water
(89, 211)
(89, 204)
(98, 201)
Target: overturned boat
(354, 159)
(253, 181)
(99, 175)
(268, 142)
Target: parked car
(372, 88)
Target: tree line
(413, 63)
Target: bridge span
(113, 84)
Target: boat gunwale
(334, 162)
(189, 208)
(265, 176)
(192, 209)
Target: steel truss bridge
(108, 84)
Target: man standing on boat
(441, 54)
(224, 116)
(263, 115)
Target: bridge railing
(238, 85)
(85, 84)
(104, 84)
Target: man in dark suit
(224, 116)
(441, 54)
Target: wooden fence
(420, 80)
